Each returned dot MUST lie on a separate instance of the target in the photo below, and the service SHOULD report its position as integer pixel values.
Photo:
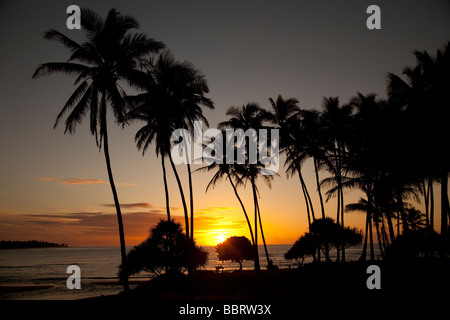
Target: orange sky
(72, 211)
(54, 187)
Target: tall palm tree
(173, 95)
(108, 56)
(295, 147)
(250, 116)
(314, 146)
(336, 120)
(424, 96)
(228, 171)
(285, 114)
(436, 71)
(159, 124)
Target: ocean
(98, 266)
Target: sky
(54, 187)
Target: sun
(221, 238)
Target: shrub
(236, 249)
(166, 250)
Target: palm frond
(63, 67)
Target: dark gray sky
(248, 50)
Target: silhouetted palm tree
(229, 171)
(314, 145)
(250, 116)
(173, 96)
(336, 121)
(108, 56)
(286, 114)
(159, 124)
(296, 155)
(425, 97)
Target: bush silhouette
(167, 250)
(236, 249)
(303, 247)
(324, 235)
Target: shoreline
(404, 278)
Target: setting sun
(221, 238)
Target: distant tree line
(8, 244)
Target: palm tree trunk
(377, 226)
(342, 219)
(257, 266)
(402, 212)
(302, 181)
(262, 235)
(390, 225)
(318, 187)
(166, 189)
(304, 194)
(431, 196)
(191, 199)
(426, 198)
(444, 206)
(372, 253)
(123, 250)
(183, 200)
(243, 208)
(338, 248)
(364, 251)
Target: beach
(40, 274)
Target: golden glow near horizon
(221, 238)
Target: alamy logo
(261, 146)
(374, 280)
(74, 19)
(74, 281)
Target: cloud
(80, 181)
(130, 205)
(99, 227)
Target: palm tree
(108, 56)
(159, 124)
(363, 157)
(229, 171)
(424, 96)
(285, 114)
(173, 96)
(436, 72)
(314, 146)
(250, 116)
(336, 120)
(296, 155)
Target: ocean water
(99, 266)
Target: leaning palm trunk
(316, 169)
(402, 212)
(243, 208)
(342, 220)
(191, 199)
(426, 198)
(364, 251)
(444, 205)
(306, 195)
(377, 228)
(123, 250)
(444, 212)
(431, 198)
(262, 235)
(183, 200)
(257, 266)
(390, 225)
(166, 189)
